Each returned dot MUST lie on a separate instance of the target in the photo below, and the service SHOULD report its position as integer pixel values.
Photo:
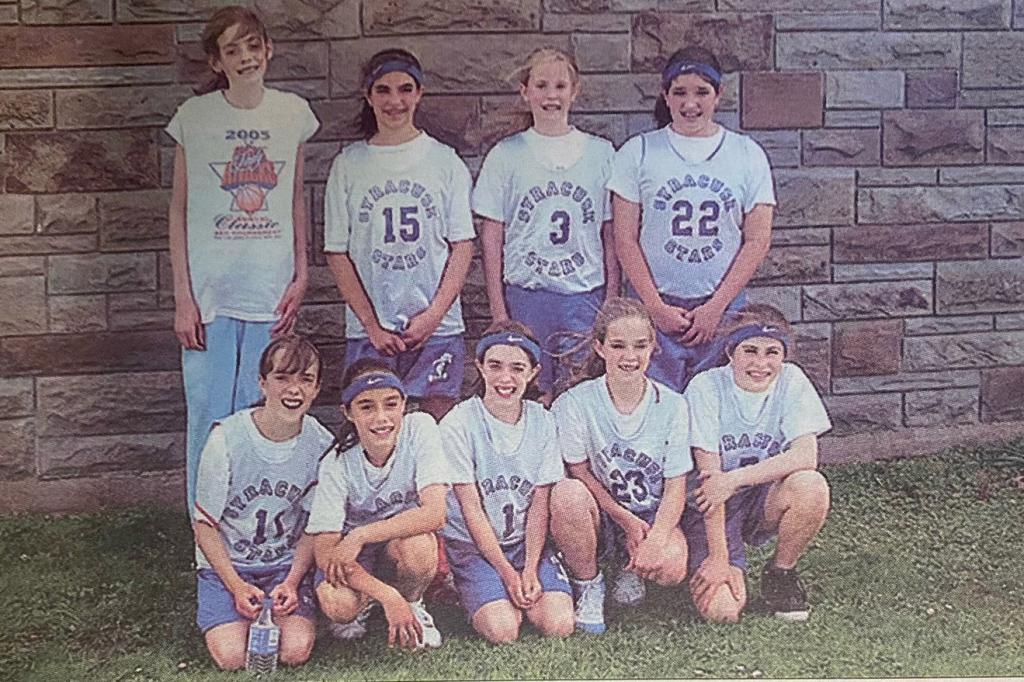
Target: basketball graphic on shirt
(249, 198)
(248, 177)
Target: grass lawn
(917, 573)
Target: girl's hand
(532, 589)
(403, 628)
(636, 530)
(703, 321)
(646, 561)
(387, 343)
(670, 319)
(514, 585)
(711, 575)
(248, 600)
(420, 328)
(288, 308)
(286, 598)
(716, 487)
(188, 325)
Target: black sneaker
(783, 593)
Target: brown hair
(347, 434)
(296, 354)
(222, 20)
(760, 314)
(613, 309)
(690, 53)
(532, 389)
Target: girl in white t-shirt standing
(755, 425)
(693, 205)
(397, 232)
(236, 202)
(548, 256)
(626, 441)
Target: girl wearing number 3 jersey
(693, 205)
(504, 459)
(397, 231)
(626, 442)
(546, 235)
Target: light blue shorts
(216, 605)
(434, 369)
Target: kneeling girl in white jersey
(505, 458)
(548, 253)
(380, 497)
(625, 439)
(252, 501)
(755, 425)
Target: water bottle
(264, 640)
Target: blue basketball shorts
(216, 604)
(434, 369)
(744, 516)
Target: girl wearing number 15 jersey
(397, 231)
(693, 205)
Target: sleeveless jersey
(630, 455)
(395, 210)
(257, 491)
(505, 480)
(692, 211)
(350, 494)
(552, 217)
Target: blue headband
(371, 381)
(675, 69)
(752, 330)
(508, 339)
(391, 67)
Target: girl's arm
(428, 517)
(288, 308)
(636, 529)
(424, 323)
(286, 594)
(352, 290)
(492, 244)
(537, 518)
(647, 560)
(487, 542)
(669, 319)
(715, 571)
(612, 273)
(188, 325)
(717, 487)
(757, 239)
(248, 598)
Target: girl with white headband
(693, 205)
(504, 457)
(397, 232)
(755, 425)
(379, 500)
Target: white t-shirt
(506, 477)
(395, 210)
(257, 491)
(352, 492)
(240, 165)
(743, 432)
(691, 209)
(631, 455)
(552, 212)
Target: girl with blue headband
(626, 442)
(755, 425)
(398, 236)
(504, 458)
(379, 500)
(693, 205)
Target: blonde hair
(614, 309)
(543, 55)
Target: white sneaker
(629, 589)
(354, 629)
(431, 635)
(590, 604)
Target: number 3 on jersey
(408, 218)
(560, 219)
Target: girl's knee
(724, 608)
(340, 604)
(498, 622)
(227, 649)
(415, 556)
(808, 490)
(298, 635)
(571, 503)
(557, 622)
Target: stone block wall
(895, 129)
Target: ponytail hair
(222, 20)
(690, 53)
(365, 121)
